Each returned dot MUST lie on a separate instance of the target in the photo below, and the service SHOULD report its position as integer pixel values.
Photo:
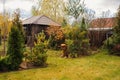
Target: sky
(97, 5)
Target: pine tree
(39, 56)
(80, 44)
(15, 49)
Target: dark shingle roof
(40, 20)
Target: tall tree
(53, 9)
(75, 8)
(34, 11)
(5, 25)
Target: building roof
(103, 23)
(40, 20)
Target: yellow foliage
(51, 8)
(5, 25)
(57, 31)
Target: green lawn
(95, 67)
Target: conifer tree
(17, 22)
(15, 43)
(15, 50)
(39, 55)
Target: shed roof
(103, 23)
(40, 20)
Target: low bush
(108, 44)
(4, 64)
(56, 37)
(112, 47)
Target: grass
(95, 67)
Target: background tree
(53, 9)
(7, 22)
(34, 11)
(5, 26)
(75, 8)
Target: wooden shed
(100, 29)
(35, 25)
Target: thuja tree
(15, 43)
(18, 23)
(15, 49)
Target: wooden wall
(97, 37)
(31, 30)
